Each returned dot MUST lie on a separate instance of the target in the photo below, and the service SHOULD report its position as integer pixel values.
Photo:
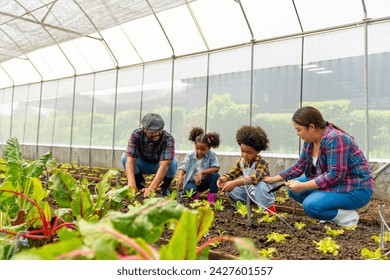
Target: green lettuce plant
(377, 254)
(327, 245)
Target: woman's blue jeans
(150, 167)
(324, 205)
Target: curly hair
(253, 136)
(212, 139)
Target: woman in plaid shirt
(336, 175)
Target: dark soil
(299, 244)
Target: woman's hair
(307, 115)
(253, 136)
(197, 135)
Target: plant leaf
(205, 217)
(147, 221)
(184, 237)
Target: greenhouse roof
(86, 36)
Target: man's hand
(147, 191)
(133, 187)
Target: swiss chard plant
(76, 195)
(22, 177)
(131, 235)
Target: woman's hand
(271, 180)
(295, 186)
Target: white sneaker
(346, 218)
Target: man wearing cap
(151, 150)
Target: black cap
(152, 122)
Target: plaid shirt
(341, 165)
(261, 170)
(151, 151)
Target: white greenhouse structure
(76, 76)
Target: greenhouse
(78, 76)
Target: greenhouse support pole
(366, 79)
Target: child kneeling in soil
(199, 170)
(247, 174)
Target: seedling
(196, 203)
(218, 205)
(268, 253)
(299, 225)
(333, 232)
(216, 243)
(241, 208)
(377, 254)
(327, 245)
(189, 193)
(276, 237)
(267, 218)
(281, 200)
(377, 238)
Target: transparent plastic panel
(63, 114)
(328, 13)
(377, 8)
(189, 99)
(182, 31)
(5, 114)
(103, 109)
(19, 112)
(49, 103)
(82, 119)
(379, 91)
(88, 55)
(148, 38)
(5, 80)
(128, 107)
(270, 19)
(221, 22)
(51, 63)
(276, 93)
(21, 71)
(121, 46)
(229, 95)
(31, 130)
(333, 79)
(157, 87)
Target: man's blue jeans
(150, 167)
(324, 205)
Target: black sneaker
(165, 192)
